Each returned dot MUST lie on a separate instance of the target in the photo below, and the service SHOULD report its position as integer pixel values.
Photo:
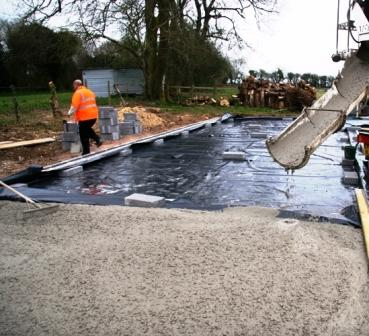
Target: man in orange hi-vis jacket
(85, 112)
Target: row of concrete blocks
(112, 129)
(131, 124)
(79, 169)
(108, 123)
(349, 177)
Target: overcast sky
(301, 38)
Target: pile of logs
(200, 100)
(206, 100)
(264, 93)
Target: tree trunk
(157, 44)
(150, 52)
(164, 22)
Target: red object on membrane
(363, 138)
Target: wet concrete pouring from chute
(190, 173)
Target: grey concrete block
(70, 136)
(66, 145)
(19, 185)
(126, 152)
(109, 129)
(254, 125)
(185, 133)
(126, 124)
(75, 147)
(158, 142)
(137, 128)
(259, 135)
(107, 112)
(347, 163)
(130, 116)
(114, 120)
(129, 131)
(218, 122)
(110, 136)
(241, 156)
(126, 128)
(71, 171)
(147, 201)
(130, 127)
(350, 178)
(208, 125)
(108, 121)
(71, 127)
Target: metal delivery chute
(294, 146)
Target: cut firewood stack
(200, 100)
(264, 93)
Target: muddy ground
(89, 270)
(13, 160)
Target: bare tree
(219, 19)
(145, 28)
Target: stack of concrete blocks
(130, 125)
(108, 123)
(70, 138)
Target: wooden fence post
(178, 94)
(54, 102)
(15, 104)
(109, 94)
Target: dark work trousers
(86, 133)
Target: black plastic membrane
(191, 173)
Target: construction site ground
(41, 124)
(113, 270)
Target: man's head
(77, 83)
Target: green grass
(320, 92)
(34, 105)
(218, 110)
(40, 101)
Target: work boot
(99, 143)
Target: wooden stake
(109, 94)
(54, 101)
(15, 104)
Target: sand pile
(147, 116)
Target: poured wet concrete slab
(191, 172)
(113, 270)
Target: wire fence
(22, 103)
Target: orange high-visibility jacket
(84, 102)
